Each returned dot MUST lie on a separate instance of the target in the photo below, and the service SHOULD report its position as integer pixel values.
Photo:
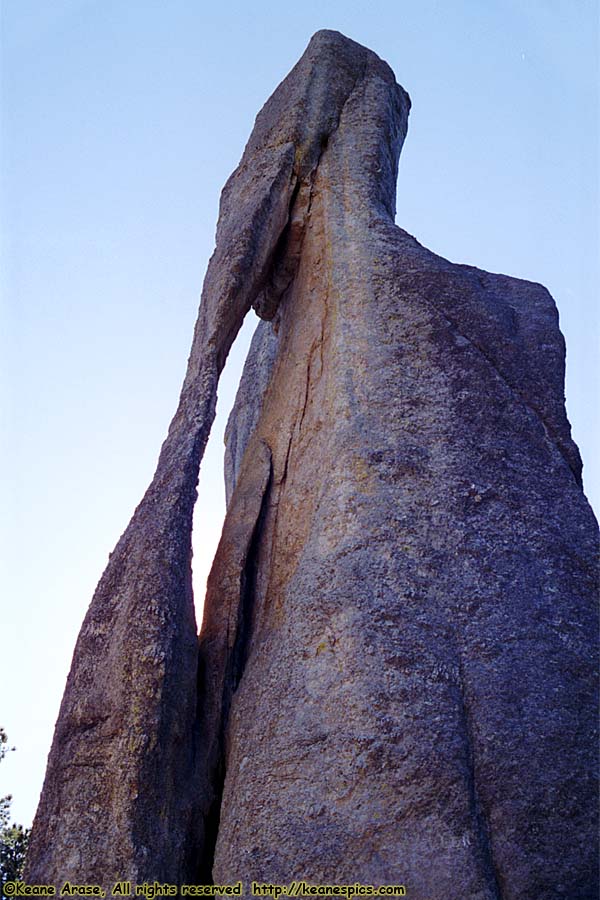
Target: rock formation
(396, 671)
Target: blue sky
(120, 123)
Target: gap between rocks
(210, 507)
(209, 510)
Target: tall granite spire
(396, 671)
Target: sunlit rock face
(396, 671)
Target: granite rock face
(397, 666)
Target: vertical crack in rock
(247, 596)
(225, 640)
(235, 668)
(479, 812)
(398, 500)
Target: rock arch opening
(209, 511)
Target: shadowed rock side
(397, 664)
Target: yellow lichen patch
(363, 475)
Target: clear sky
(121, 120)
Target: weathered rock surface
(397, 665)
